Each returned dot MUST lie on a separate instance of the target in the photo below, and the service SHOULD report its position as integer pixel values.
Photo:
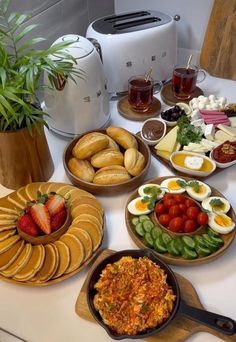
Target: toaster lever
(97, 46)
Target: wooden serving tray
(178, 330)
(168, 97)
(179, 261)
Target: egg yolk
(173, 185)
(223, 221)
(201, 189)
(141, 205)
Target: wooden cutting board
(179, 329)
(218, 52)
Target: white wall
(192, 25)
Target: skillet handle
(223, 324)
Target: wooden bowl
(47, 238)
(110, 189)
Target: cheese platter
(199, 139)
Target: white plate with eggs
(221, 214)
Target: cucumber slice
(189, 253)
(217, 240)
(148, 225)
(172, 249)
(159, 246)
(148, 240)
(211, 245)
(155, 232)
(166, 239)
(189, 242)
(211, 232)
(199, 241)
(139, 229)
(179, 245)
(135, 221)
(202, 251)
(143, 218)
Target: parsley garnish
(187, 132)
(194, 185)
(216, 203)
(181, 183)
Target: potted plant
(24, 153)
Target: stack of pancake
(44, 264)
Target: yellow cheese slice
(168, 142)
(228, 130)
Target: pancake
(7, 207)
(55, 187)
(19, 262)
(8, 257)
(33, 265)
(14, 199)
(6, 234)
(89, 218)
(76, 251)
(7, 227)
(50, 264)
(74, 193)
(85, 238)
(31, 190)
(8, 243)
(64, 189)
(86, 209)
(43, 188)
(21, 193)
(64, 258)
(8, 216)
(94, 232)
(87, 200)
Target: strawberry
(27, 225)
(41, 217)
(58, 220)
(55, 204)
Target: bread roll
(111, 175)
(90, 144)
(113, 144)
(81, 169)
(134, 161)
(122, 137)
(107, 157)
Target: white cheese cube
(209, 132)
(195, 115)
(193, 162)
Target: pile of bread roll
(109, 158)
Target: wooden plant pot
(24, 157)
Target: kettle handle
(97, 46)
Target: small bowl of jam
(153, 130)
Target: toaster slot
(134, 23)
(121, 17)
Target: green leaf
(29, 43)
(7, 105)
(3, 76)
(4, 5)
(3, 113)
(24, 32)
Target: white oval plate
(190, 171)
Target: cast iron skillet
(220, 323)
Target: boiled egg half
(173, 185)
(221, 223)
(198, 190)
(138, 206)
(151, 190)
(216, 204)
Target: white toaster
(131, 43)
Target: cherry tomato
(190, 226)
(160, 208)
(190, 203)
(184, 217)
(168, 196)
(192, 213)
(202, 219)
(176, 224)
(183, 208)
(169, 202)
(180, 198)
(174, 211)
(164, 219)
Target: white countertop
(47, 314)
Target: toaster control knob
(177, 17)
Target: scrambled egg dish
(133, 296)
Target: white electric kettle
(75, 108)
